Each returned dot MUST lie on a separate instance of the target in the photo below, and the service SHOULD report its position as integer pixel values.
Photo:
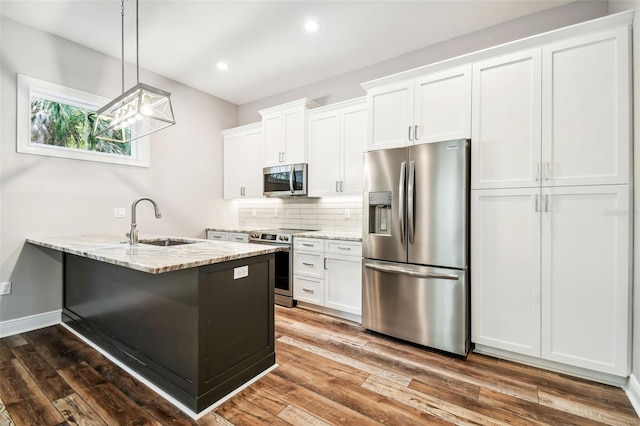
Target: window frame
(29, 87)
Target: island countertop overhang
(153, 259)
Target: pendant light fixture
(139, 111)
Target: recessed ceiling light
(222, 66)
(311, 26)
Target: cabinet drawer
(308, 263)
(217, 235)
(307, 289)
(239, 237)
(348, 248)
(308, 244)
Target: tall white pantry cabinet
(550, 203)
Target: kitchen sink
(166, 242)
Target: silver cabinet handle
(341, 186)
(403, 177)
(279, 157)
(537, 171)
(396, 270)
(291, 177)
(217, 236)
(409, 132)
(284, 156)
(546, 203)
(537, 203)
(337, 188)
(410, 197)
(325, 263)
(238, 238)
(307, 245)
(415, 132)
(307, 264)
(344, 248)
(547, 170)
(308, 290)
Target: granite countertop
(245, 229)
(153, 259)
(330, 235)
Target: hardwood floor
(330, 372)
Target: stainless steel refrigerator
(416, 244)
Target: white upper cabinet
(505, 142)
(431, 108)
(554, 116)
(443, 106)
(586, 116)
(337, 141)
(243, 155)
(285, 133)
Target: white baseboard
(30, 323)
(632, 389)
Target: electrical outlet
(347, 213)
(119, 212)
(253, 212)
(5, 288)
(275, 212)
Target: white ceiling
(263, 42)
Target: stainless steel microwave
(285, 181)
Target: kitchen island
(195, 319)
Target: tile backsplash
(327, 214)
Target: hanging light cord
(122, 39)
(137, 49)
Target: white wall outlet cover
(240, 272)
(119, 212)
(5, 288)
(347, 213)
(275, 212)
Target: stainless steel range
(284, 261)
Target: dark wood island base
(197, 333)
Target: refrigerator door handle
(417, 274)
(411, 192)
(401, 186)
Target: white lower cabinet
(551, 274)
(238, 237)
(328, 273)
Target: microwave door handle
(291, 178)
(401, 185)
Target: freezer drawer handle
(416, 274)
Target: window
(55, 120)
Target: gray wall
(46, 196)
(619, 6)
(347, 86)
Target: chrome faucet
(133, 233)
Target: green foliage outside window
(58, 124)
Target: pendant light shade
(138, 112)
